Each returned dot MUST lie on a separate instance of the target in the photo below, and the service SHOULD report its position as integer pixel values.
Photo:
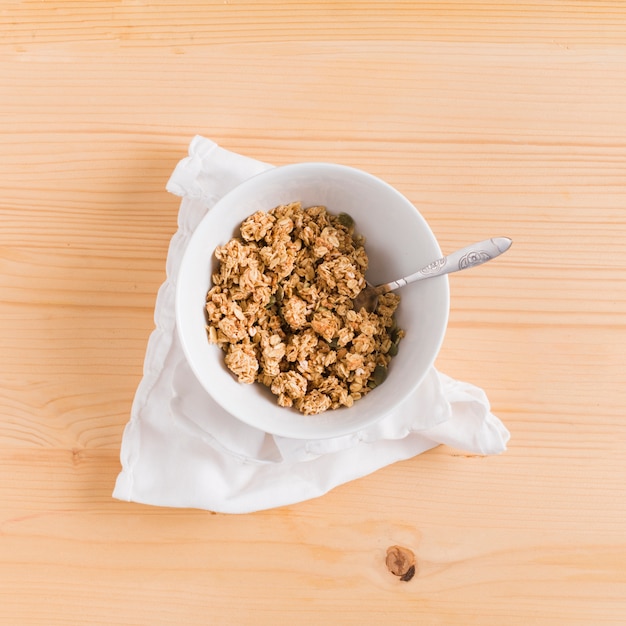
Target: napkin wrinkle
(471, 427)
(210, 171)
(194, 430)
(181, 449)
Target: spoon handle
(470, 256)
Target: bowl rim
(337, 430)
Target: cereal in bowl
(281, 309)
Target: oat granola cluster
(281, 309)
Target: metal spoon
(470, 256)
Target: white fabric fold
(180, 449)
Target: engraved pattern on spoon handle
(470, 256)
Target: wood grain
(494, 118)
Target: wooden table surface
(494, 118)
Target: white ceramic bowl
(398, 242)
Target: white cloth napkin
(180, 449)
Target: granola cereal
(281, 309)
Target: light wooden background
(494, 118)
